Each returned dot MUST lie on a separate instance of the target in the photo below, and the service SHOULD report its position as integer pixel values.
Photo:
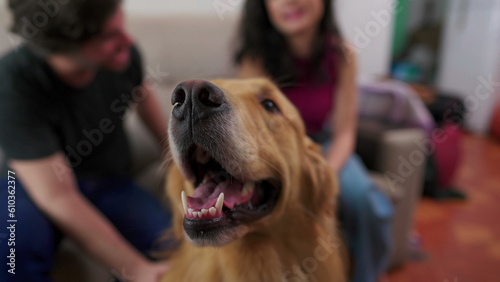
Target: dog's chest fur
(311, 256)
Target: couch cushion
(392, 191)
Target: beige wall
(367, 24)
(159, 7)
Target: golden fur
(299, 240)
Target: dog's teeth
(204, 211)
(220, 202)
(190, 212)
(205, 179)
(247, 188)
(200, 215)
(244, 191)
(212, 210)
(184, 201)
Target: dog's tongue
(205, 196)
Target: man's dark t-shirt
(41, 115)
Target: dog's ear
(319, 187)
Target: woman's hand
(345, 115)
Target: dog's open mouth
(222, 201)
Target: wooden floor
(461, 240)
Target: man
(63, 97)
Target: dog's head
(245, 160)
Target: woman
(297, 44)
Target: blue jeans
(137, 215)
(365, 215)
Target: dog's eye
(270, 106)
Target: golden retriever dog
(252, 197)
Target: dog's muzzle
(203, 142)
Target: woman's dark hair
(59, 26)
(259, 39)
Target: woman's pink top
(313, 96)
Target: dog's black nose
(196, 100)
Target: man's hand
(57, 195)
(149, 272)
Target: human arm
(148, 106)
(344, 117)
(51, 184)
(151, 115)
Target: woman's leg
(31, 242)
(365, 215)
